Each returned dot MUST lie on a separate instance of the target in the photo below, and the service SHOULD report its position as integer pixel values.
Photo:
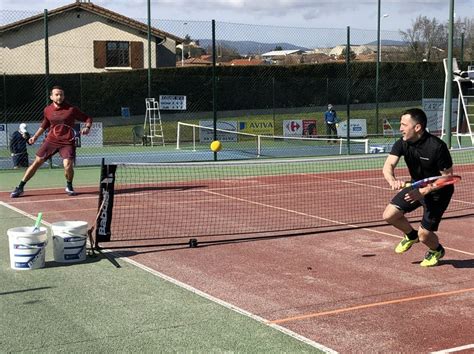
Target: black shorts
(434, 205)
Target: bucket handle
(72, 234)
(33, 246)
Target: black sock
(22, 184)
(412, 235)
(69, 185)
(439, 248)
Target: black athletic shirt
(426, 157)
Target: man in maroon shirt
(57, 113)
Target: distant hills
(250, 47)
(388, 42)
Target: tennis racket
(64, 133)
(437, 181)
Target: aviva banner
(258, 127)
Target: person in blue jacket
(331, 120)
(18, 148)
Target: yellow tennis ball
(216, 146)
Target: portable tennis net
(197, 138)
(217, 201)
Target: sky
(186, 17)
(358, 14)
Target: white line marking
(200, 293)
(456, 349)
(52, 200)
(278, 208)
(321, 218)
(230, 306)
(52, 188)
(24, 213)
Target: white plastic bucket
(27, 247)
(69, 241)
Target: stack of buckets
(28, 244)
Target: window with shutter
(117, 54)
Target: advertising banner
(309, 128)
(94, 138)
(207, 135)
(258, 127)
(358, 128)
(293, 127)
(173, 102)
(434, 108)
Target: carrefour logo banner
(293, 127)
(258, 127)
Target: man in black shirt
(425, 156)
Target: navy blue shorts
(434, 205)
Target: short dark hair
(57, 87)
(418, 115)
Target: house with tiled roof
(291, 56)
(246, 62)
(204, 60)
(83, 38)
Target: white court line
(453, 350)
(52, 188)
(320, 218)
(69, 199)
(231, 307)
(277, 208)
(24, 213)
(200, 293)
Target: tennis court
(290, 246)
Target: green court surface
(50, 178)
(93, 306)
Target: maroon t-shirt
(64, 114)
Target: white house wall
(71, 48)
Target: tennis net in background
(217, 201)
(197, 137)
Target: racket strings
(447, 180)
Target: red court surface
(346, 290)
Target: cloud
(306, 9)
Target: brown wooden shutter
(100, 54)
(136, 55)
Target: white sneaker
(70, 192)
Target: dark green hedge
(239, 88)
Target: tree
(426, 39)
(352, 55)
(278, 48)
(223, 50)
(464, 27)
(187, 39)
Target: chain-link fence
(266, 81)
